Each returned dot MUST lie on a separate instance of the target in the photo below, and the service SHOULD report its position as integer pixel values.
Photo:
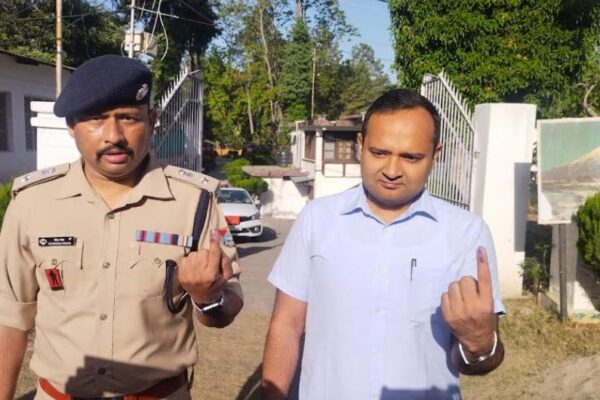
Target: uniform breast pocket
(145, 269)
(427, 284)
(60, 270)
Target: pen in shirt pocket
(413, 265)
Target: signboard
(568, 166)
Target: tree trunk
(586, 105)
(250, 121)
(276, 113)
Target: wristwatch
(210, 308)
(482, 357)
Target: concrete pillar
(506, 133)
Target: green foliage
(254, 185)
(295, 85)
(5, 189)
(588, 223)
(498, 50)
(364, 79)
(234, 168)
(536, 270)
(261, 158)
(26, 28)
(236, 177)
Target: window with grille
(339, 147)
(4, 121)
(31, 131)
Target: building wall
(22, 80)
(505, 135)
(55, 145)
(325, 185)
(339, 170)
(284, 199)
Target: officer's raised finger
(226, 267)
(214, 251)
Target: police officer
(85, 248)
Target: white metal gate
(452, 177)
(178, 136)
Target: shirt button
(111, 216)
(103, 317)
(157, 261)
(101, 371)
(54, 261)
(105, 264)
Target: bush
(5, 189)
(236, 177)
(588, 223)
(254, 185)
(235, 167)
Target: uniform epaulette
(193, 178)
(37, 177)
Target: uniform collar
(357, 201)
(153, 184)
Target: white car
(241, 213)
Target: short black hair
(403, 99)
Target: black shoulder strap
(199, 221)
(200, 218)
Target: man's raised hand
(468, 308)
(203, 273)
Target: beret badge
(142, 92)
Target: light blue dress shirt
(374, 326)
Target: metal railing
(452, 177)
(178, 135)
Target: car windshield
(234, 196)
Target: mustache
(119, 147)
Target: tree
(295, 85)
(184, 30)
(499, 50)
(364, 79)
(88, 31)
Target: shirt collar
(357, 200)
(153, 184)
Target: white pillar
(505, 140)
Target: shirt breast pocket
(60, 270)
(427, 283)
(145, 270)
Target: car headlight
(256, 216)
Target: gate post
(506, 133)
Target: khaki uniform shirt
(107, 331)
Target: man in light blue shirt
(397, 291)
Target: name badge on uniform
(54, 278)
(57, 241)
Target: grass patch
(535, 342)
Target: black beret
(104, 81)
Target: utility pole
(312, 95)
(58, 47)
(132, 29)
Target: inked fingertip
(482, 255)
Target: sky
(372, 20)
